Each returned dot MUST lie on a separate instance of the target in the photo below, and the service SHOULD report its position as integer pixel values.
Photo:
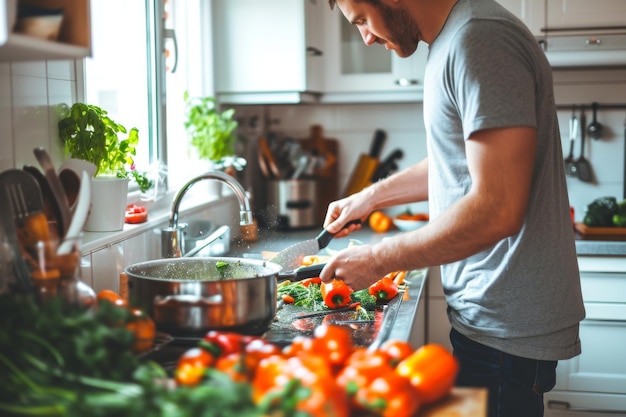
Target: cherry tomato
(143, 329)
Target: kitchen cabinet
(267, 52)
(437, 324)
(594, 383)
(531, 12)
(581, 14)
(74, 39)
(356, 72)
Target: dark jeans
(516, 385)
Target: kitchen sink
(198, 236)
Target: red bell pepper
(384, 289)
(336, 293)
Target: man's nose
(368, 37)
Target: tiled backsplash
(30, 92)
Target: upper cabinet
(74, 40)
(356, 72)
(268, 51)
(585, 15)
(531, 12)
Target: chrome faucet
(172, 238)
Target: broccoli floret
(600, 212)
(368, 301)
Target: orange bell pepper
(431, 370)
(384, 289)
(336, 293)
(380, 222)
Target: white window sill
(158, 217)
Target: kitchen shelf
(74, 39)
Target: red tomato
(135, 214)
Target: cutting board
(462, 402)
(600, 233)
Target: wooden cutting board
(600, 233)
(462, 402)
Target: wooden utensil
(55, 186)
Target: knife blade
(291, 257)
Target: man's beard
(401, 29)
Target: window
(128, 70)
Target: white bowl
(408, 225)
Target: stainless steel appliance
(291, 204)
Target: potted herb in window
(88, 133)
(212, 133)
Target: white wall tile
(33, 69)
(106, 265)
(30, 117)
(61, 70)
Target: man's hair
(332, 3)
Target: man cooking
(500, 226)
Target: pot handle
(188, 299)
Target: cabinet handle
(313, 51)
(581, 28)
(405, 82)
(565, 406)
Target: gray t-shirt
(522, 296)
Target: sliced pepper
(336, 293)
(384, 289)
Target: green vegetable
(58, 361)
(368, 301)
(619, 218)
(600, 212)
(309, 297)
(212, 132)
(91, 135)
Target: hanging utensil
(55, 186)
(80, 216)
(583, 166)
(570, 162)
(20, 270)
(594, 129)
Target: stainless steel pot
(188, 296)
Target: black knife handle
(304, 272)
(380, 136)
(324, 238)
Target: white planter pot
(108, 204)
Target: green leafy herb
(212, 132)
(88, 133)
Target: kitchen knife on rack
(291, 257)
(366, 166)
(388, 165)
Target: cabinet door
(354, 67)
(601, 366)
(531, 12)
(574, 14)
(261, 46)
